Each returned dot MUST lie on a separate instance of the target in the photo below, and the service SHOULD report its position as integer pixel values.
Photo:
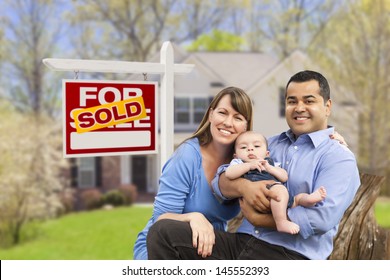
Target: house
(262, 76)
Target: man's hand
(255, 193)
(258, 196)
(256, 218)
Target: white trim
(125, 167)
(112, 66)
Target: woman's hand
(338, 137)
(203, 236)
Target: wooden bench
(359, 237)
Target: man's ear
(328, 106)
(267, 154)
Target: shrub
(129, 192)
(68, 199)
(91, 199)
(5, 235)
(114, 197)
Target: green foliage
(94, 235)
(28, 232)
(382, 212)
(114, 198)
(217, 41)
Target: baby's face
(250, 146)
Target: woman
(184, 191)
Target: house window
(216, 84)
(189, 112)
(200, 106)
(86, 172)
(282, 102)
(182, 110)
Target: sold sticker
(110, 114)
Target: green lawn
(382, 212)
(94, 235)
(104, 235)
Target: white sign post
(166, 68)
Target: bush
(114, 197)
(91, 199)
(68, 199)
(5, 236)
(129, 192)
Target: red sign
(109, 117)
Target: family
(292, 189)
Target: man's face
(306, 111)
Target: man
(312, 160)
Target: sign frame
(95, 143)
(166, 68)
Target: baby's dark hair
(251, 131)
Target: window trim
(191, 125)
(83, 168)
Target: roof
(236, 68)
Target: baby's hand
(265, 164)
(257, 164)
(253, 164)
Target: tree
(134, 30)
(31, 34)
(30, 133)
(29, 184)
(217, 41)
(355, 50)
(281, 26)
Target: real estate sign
(109, 117)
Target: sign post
(166, 68)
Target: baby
(253, 163)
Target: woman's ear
(211, 114)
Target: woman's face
(225, 122)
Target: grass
(104, 235)
(94, 235)
(382, 212)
